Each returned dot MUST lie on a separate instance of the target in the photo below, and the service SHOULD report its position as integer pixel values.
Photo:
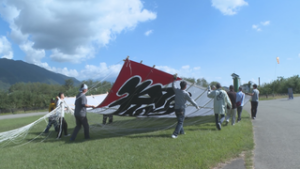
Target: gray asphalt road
(12, 116)
(276, 134)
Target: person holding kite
(221, 99)
(80, 113)
(181, 96)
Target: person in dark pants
(63, 126)
(80, 113)
(109, 116)
(181, 96)
(254, 101)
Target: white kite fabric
(18, 135)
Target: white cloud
(229, 7)
(71, 29)
(256, 27)
(185, 67)
(148, 32)
(265, 23)
(184, 71)
(197, 68)
(101, 71)
(32, 55)
(5, 48)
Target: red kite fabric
(132, 69)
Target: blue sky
(208, 39)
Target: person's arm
(50, 106)
(84, 103)
(188, 98)
(173, 83)
(211, 94)
(227, 100)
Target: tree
(69, 83)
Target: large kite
(140, 91)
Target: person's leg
(86, 127)
(252, 109)
(65, 127)
(180, 117)
(76, 129)
(255, 105)
(48, 126)
(228, 115)
(104, 119)
(233, 116)
(218, 125)
(183, 116)
(239, 109)
(110, 119)
(222, 118)
(59, 133)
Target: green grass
(24, 112)
(270, 97)
(121, 147)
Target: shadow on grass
(130, 128)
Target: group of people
(80, 115)
(229, 103)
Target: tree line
(281, 85)
(32, 96)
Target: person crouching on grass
(181, 96)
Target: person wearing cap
(80, 113)
(181, 96)
(231, 112)
(221, 99)
(254, 101)
(240, 97)
(52, 118)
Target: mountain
(15, 71)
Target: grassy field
(24, 112)
(270, 97)
(129, 143)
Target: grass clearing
(202, 147)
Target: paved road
(12, 116)
(276, 134)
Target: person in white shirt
(254, 101)
(240, 97)
(63, 126)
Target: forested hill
(12, 72)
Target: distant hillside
(12, 72)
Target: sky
(211, 39)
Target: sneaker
(226, 123)
(173, 136)
(67, 135)
(219, 126)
